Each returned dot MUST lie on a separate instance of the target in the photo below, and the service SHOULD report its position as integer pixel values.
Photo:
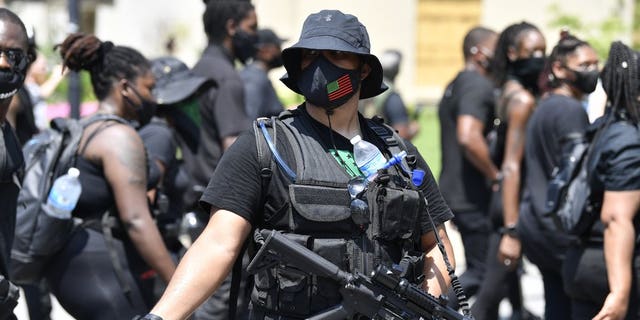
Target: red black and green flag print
(339, 88)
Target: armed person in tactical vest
(296, 173)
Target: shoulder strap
(107, 122)
(393, 142)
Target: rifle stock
(381, 296)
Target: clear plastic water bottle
(368, 158)
(64, 195)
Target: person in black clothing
(389, 104)
(332, 46)
(260, 97)
(230, 27)
(466, 113)
(14, 59)
(602, 271)
(84, 276)
(572, 69)
(517, 64)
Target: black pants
(38, 301)
(83, 279)
(474, 228)
(585, 281)
(499, 282)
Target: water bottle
(64, 195)
(368, 158)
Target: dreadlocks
(509, 38)
(620, 79)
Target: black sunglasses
(359, 208)
(16, 57)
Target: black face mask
(276, 62)
(244, 45)
(145, 110)
(10, 82)
(527, 71)
(586, 81)
(326, 85)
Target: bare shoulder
(111, 138)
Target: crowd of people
(208, 156)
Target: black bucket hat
(175, 82)
(334, 30)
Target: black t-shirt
(162, 145)
(463, 186)
(222, 110)
(395, 112)
(615, 162)
(236, 183)
(555, 117)
(11, 164)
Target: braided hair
(620, 80)
(566, 46)
(509, 38)
(218, 12)
(105, 62)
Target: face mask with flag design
(326, 85)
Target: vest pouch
(326, 291)
(284, 289)
(294, 296)
(395, 211)
(320, 209)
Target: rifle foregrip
(303, 258)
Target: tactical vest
(318, 216)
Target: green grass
(428, 139)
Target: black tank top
(97, 196)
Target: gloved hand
(147, 316)
(9, 294)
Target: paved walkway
(531, 287)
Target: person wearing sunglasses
(13, 68)
(312, 190)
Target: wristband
(497, 180)
(510, 230)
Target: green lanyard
(346, 160)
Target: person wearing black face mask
(466, 113)
(571, 73)
(145, 108)
(230, 27)
(517, 64)
(331, 65)
(389, 105)
(113, 173)
(13, 68)
(260, 97)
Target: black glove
(147, 316)
(9, 294)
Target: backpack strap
(393, 142)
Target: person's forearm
(437, 278)
(510, 194)
(477, 152)
(205, 265)
(619, 241)
(146, 238)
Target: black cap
(267, 36)
(334, 30)
(174, 81)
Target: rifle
(383, 295)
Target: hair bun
(81, 51)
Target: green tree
(599, 34)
